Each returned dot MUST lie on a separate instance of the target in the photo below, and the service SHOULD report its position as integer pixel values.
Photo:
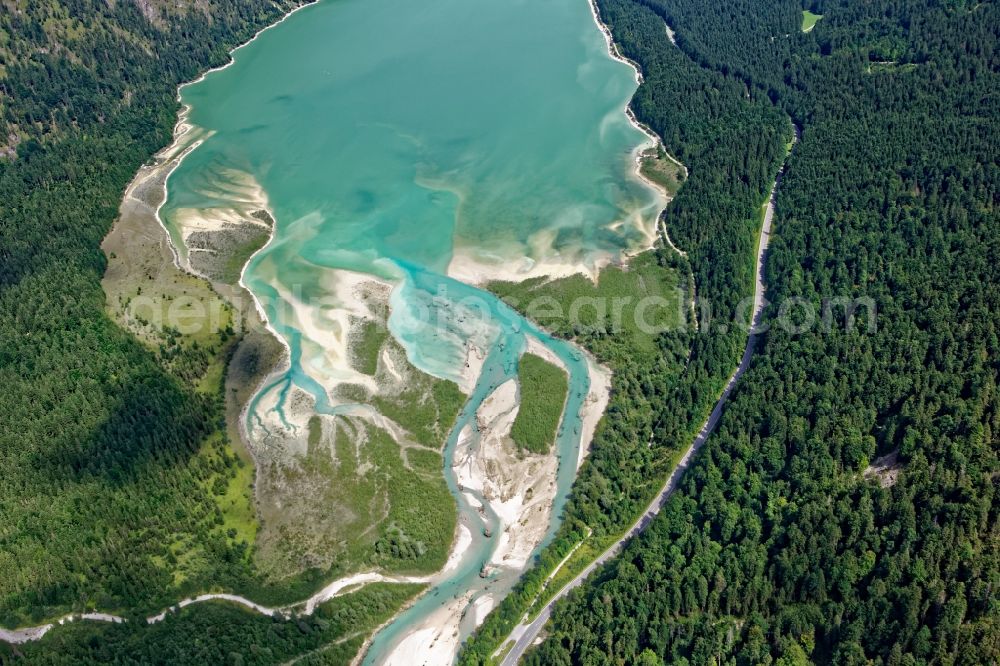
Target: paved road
(525, 635)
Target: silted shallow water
(387, 138)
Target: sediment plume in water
(470, 141)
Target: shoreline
(182, 126)
(612, 46)
(172, 161)
(658, 144)
(478, 271)
(471, 270)
(232, 51)
(616, 54)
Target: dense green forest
(844, 511)
(107, 460)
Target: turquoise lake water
(404, 139)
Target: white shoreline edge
(657, 141)
(616, 54)
(181, 128)
(468, 268)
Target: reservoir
(432, 145)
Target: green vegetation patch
(238, 255)
(890, 67)
(425, 461)
(360, 496)
(416, 534)
(367, 345)
(231, 483)
(427, 408)
(662, 170)
(543, 398)
(178, 316)
(621, 315)
(809, 20)
(355, 500)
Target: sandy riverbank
(538, 257)
(435, 642)
(519, 488)
(328, 321)
(595, 405)
(479, 267)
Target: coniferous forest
(843, 512)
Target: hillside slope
(113, 462)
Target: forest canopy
(845, 509)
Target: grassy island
(543, 396)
